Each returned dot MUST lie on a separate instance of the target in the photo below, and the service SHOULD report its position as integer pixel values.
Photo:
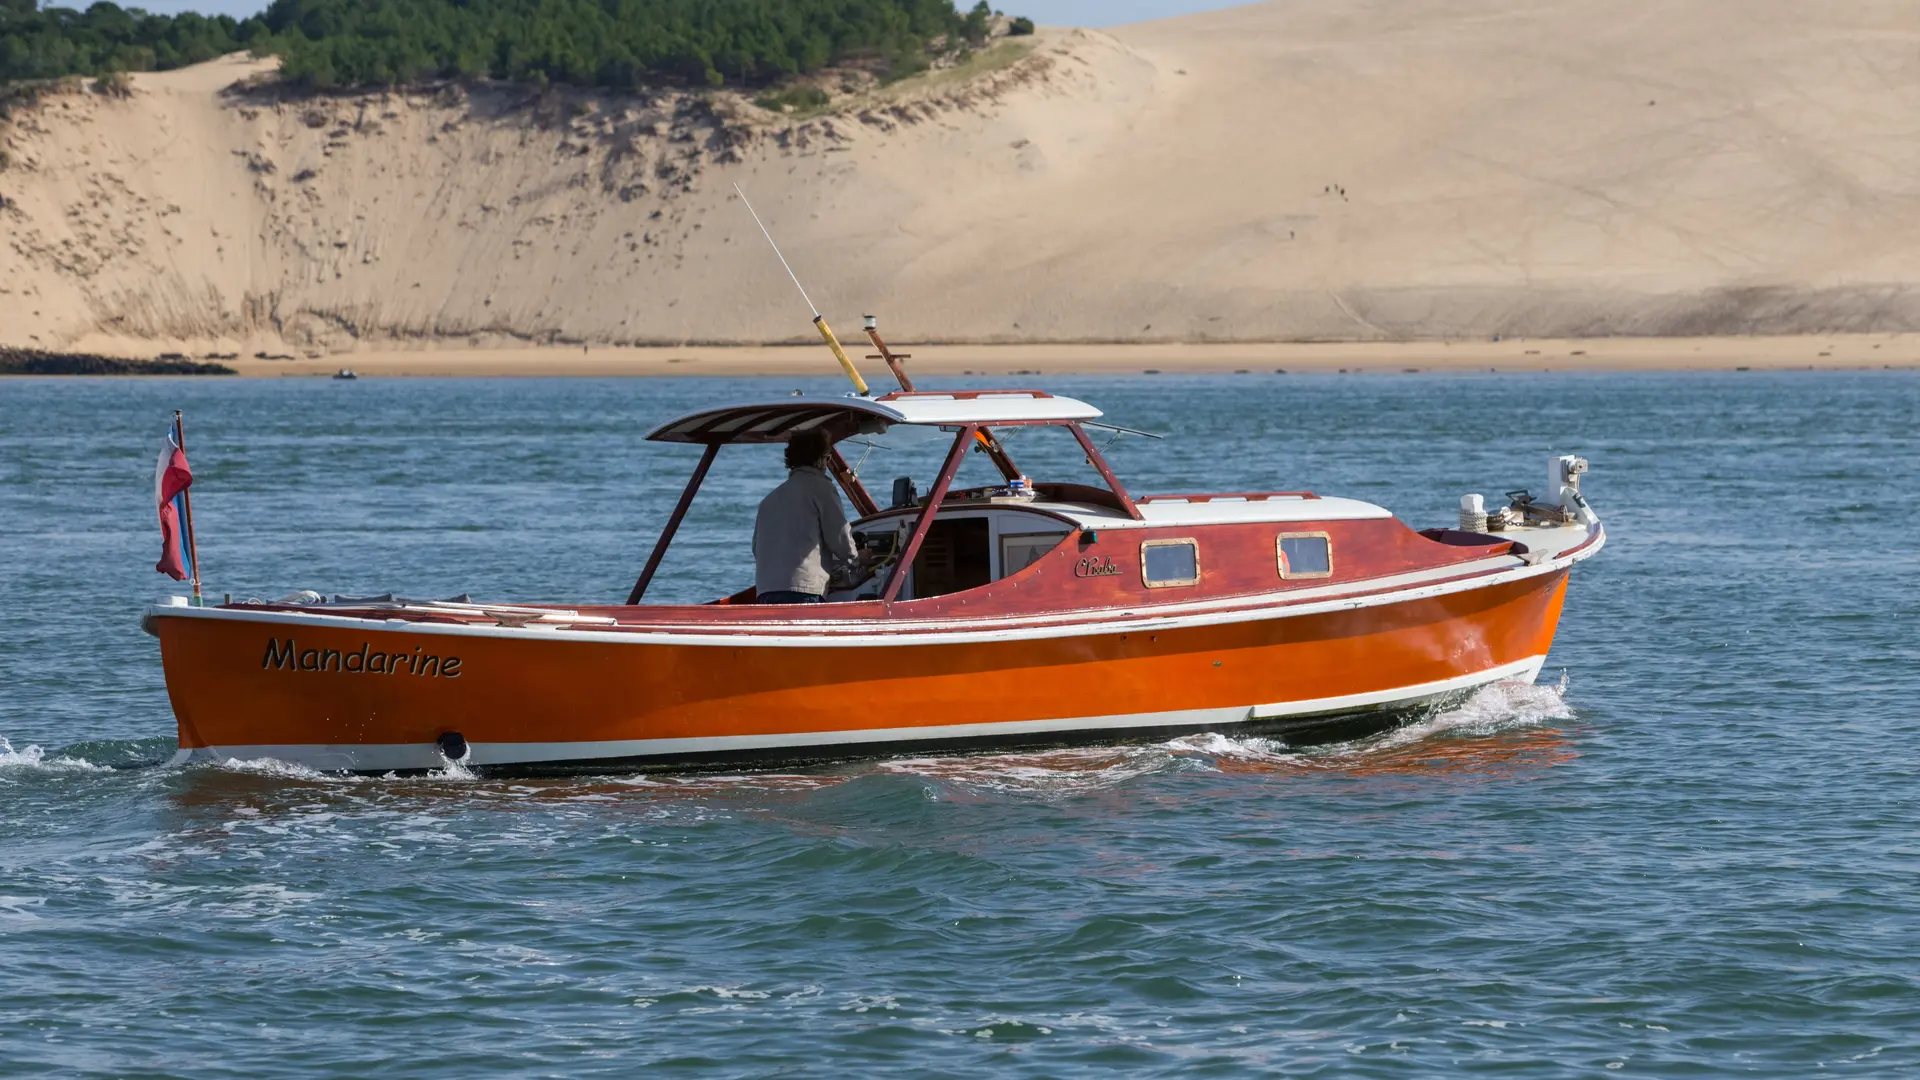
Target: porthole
(1165, 564)
(1304, 555)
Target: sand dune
(1376, 169)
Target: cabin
(1101, 545)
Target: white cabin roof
(775, 421)
(1161, 512)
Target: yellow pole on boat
(819, 320)
(840, 354)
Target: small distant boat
(345, 373)
(1015, 614)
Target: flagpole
(193, 549)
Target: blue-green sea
(1693, 850)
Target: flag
(171, 478)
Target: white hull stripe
(869, 634)
(381, 757)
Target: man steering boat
(801, 540)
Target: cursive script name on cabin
(288, 656)
(1096, 566)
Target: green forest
(106, 38)
(611, 43)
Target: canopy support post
(1001, 459)
(673, 523)
(955, 457)
(1100, 463)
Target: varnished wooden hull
(310, 690)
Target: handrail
(961, 395)
(1239, 496)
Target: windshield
(1044, 453)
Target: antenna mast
(819, 320)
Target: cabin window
(954, 557)
(1021, 550)
(1305, 555)
(1167, 563)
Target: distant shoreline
(1845, 351)
(28, 362)
(1832, 352)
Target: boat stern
(243, 687)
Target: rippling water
(1692, 850)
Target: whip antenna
(776, 251)
(819, 320)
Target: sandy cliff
(1372, 169)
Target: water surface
(1692, 850)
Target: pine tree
(619, 43)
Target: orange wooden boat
(1014, 614)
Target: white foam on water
(15, 907)
(1503, 706)
(1491, 710)
(725, 784)
(1047, 774)
(262, 900)
(291, 770)
(454, 770)
(35, 759)
(1212, 744)
(1000, 1026)
(285, 770)
(730, 993)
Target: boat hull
(373, 696)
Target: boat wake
(1469, 735)
(274, 767)
(288, 770)
(1492, 710)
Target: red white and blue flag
(171, 478)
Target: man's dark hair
(806, 448)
